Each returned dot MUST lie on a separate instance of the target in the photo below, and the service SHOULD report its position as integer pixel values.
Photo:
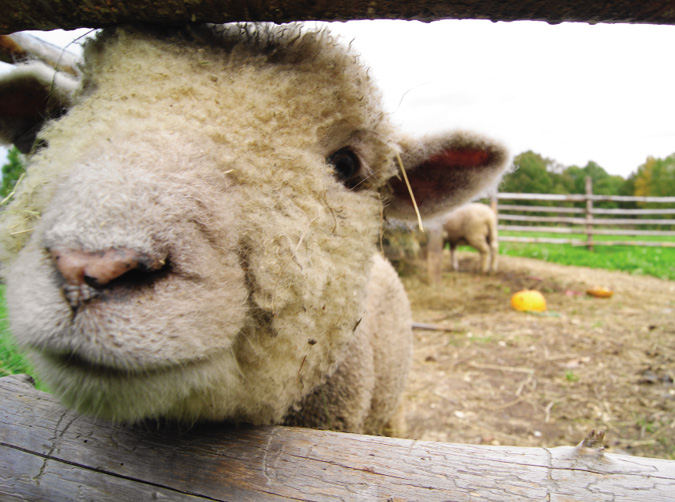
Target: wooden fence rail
(584, 197)
(48, 453)
(597, 210)
(584, 221)
(587, 223)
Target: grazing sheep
(476, 225)
(196, 237)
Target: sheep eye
(40, 144)
(347, 166)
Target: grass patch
(655, 261)
(570, 376)
(12, 360)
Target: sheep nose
(96, 269)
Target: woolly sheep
(476, 225)
(196, 237)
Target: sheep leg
(481, 245)
(396, 427)
(494, 252)
(453, 257)
(484, 262)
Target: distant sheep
(197, 234)
(474, 225)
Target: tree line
(533, 173)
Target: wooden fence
(48, 453)
(588, 220)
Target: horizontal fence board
(49, 453)
(583, 198)
(632, 198)
(542, 196)
(596, 231)
(578, 210)
(638, 212)
(649, 244)
(542, 219)
(538, 229)
(541, 240)
(584, 221)
(17, 15)
(577, 242)
(540, 209)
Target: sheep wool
(196, 236)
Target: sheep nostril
(97, 269)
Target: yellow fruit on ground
(600, 292)
(528, 300)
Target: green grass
(656, 261)
(12, 361)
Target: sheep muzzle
(87, 273)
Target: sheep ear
(29, 95)
(445, 172)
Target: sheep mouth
(73, 361)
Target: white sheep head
(195, 236)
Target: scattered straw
(508, 383)
(11, 194)
(412, 197)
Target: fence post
(589, 213)
(435, 253)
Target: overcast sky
(571, 92)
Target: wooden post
(435, 253)
(589, 213)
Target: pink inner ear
(460, 158)
(441, 175)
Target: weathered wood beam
(583, 197)
(16, 15)
(582, 221)
(21, 46)
(49, 453)
(578, 230)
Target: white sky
(571, 92)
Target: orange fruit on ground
(600, 292)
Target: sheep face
(195, 236)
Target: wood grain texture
(22, 46)
(16, 15)
(49, 453)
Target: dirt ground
(502, 377)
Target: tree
(656, 177)
(531, 175)
(643, 178)
(11, 172)
(574, 181)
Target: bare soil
(502, 377)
